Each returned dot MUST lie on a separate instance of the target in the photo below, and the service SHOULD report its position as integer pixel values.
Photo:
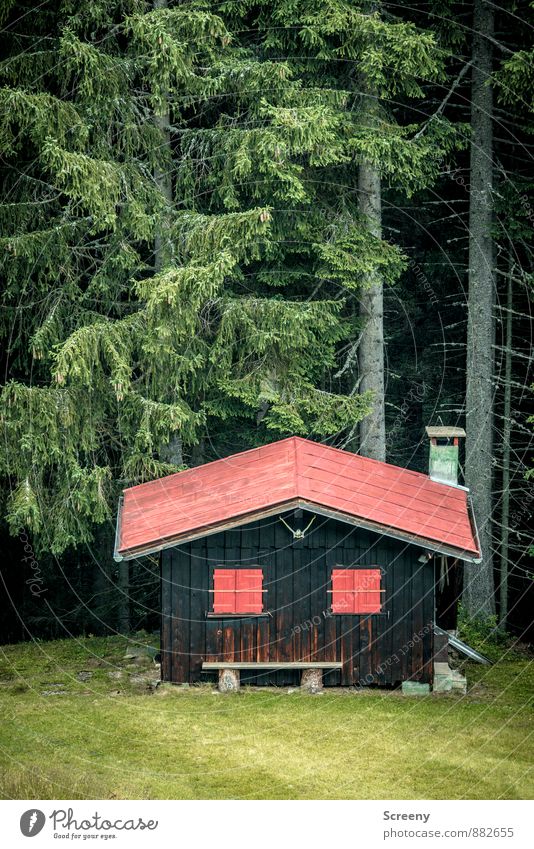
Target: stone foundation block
(229, 680)
(312, 680)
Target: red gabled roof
(377, 495)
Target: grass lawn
(78, 721)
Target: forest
(223, 223)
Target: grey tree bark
(371, 301)
(123, 615)
(371, 347)
(507, 430)
(163, 249)
(478, 593)
(163, 177)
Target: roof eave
(236, 521)
(117, 556)
(386, 530)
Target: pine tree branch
(439, 111)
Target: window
(356, 591)
(237, 591)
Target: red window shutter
(237, 591)
(356, 591)
(342, 594)
(224, 594)
(249, 595)
(367, 591)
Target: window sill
(211, 615)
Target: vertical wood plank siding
(379, 649)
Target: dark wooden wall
(379, 649)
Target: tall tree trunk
(163, 249)
(371, 347)
(371, 301)
(123, 616)
(507, 429)
(101, 595)
(478, 592)
(163, 177)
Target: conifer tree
(372, 61)
(115, 356)
(186, 255)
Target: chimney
(443, 463)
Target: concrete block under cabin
(415, 688)
(299, 559)
(447, 680)
(459, 682)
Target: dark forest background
(224, 223)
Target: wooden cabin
(298, 559)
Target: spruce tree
(114, 354)
(375, 62)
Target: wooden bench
(229, 671)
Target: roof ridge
(297, 440)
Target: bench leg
(312, 680)
(229, 680)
